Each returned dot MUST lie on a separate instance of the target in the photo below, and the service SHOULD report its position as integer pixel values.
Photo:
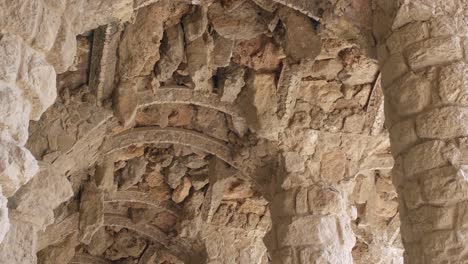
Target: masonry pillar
(423, 53)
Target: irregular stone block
(393, 68)
(15, 112)
(453, 82)
(19, 245)
(245, 22)
(62, 54)
(402, 136)
(195, 23)
(411, 94)
(17, 167)
(33, 75)
(433, 52)
(199, 61)
(302, 42)
(444, 186)
(40, 196)
(407, 35)
(172, 53)
(443, 123)
(103, 60)
(425, 156)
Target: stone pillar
(422, 52)
(308, 206)
(310, 225)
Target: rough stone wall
(285, 95)
(424, 76)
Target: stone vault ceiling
(204, 131)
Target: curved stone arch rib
(182, 95)
(156, 135)
(142, 198)
(88, 259)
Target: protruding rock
(19, 245)
(17, 167)
(244, 22)
(222, 51)
(232, 83)
(103, 60)
(199, 61)
(195, 23)
(182, 191)
(172, 53)
(40, 196)
(302, 42)
(132, 173)
(175, 174)
(15, 112)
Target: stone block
(440, 26)
(453, 82)
(333, 166)
(443, 123)
(393, 68)
(410, 94)
(402, 136)
(324, 201)
(434, 51)
(444, 186)
(17, 167)
(422, 157)
(407, 35)
(308, 230)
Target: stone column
(422, 51)
(310, 225)
(308, 206)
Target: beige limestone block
(17, 167)
(433, 52)
(41, 195)
(411, 94)
(443, 123)
(19, 245)
(244, 22)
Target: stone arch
(142, 198)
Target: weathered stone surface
(19, 245)
(100, 242)
(104, 60)
(244, 22)
(407, 35)
(91, 212)
(302, 42)
(126, 102)
(195, 23)
(199, 61)
(434, 51)
(182, 191)
(125, 245)
(260, 112)
(172, 53)
(61, 253)
(33, 75)
(15, 115)
(138, 50)
(232, 83)
(40, 196)
(442, 123)
(411, 94)
(327, 69)
(17, 167)
(132, 173)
